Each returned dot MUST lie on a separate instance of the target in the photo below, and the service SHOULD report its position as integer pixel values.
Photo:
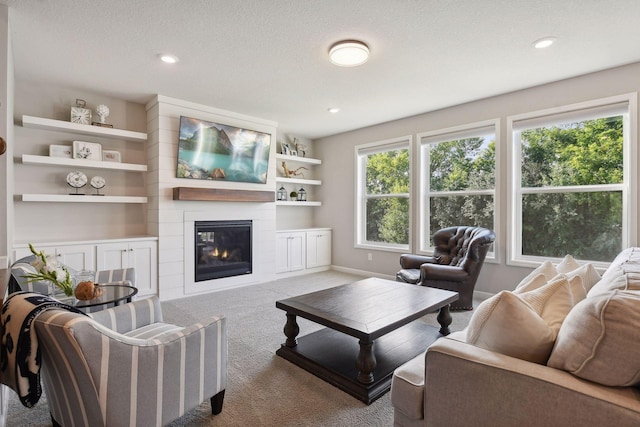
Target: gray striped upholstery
(119, 275)
(125, 367)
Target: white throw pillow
(506, 324)
(598, 340)
(535, 282)
(567, 264)
(546, 268)
(522, 325)
(589, 276)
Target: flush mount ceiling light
(348, 53)
(544, 42)
(169, 59)
(333, 110)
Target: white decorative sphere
(102, 111)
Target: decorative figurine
(288, 173)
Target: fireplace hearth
(222, 249)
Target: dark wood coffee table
(371, 310)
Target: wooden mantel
(220, 195)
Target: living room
(163, 218)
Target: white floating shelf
(62, 126)
(299, 159)
(299, 203)
(298, 181)
(81, 199)
(29, 159)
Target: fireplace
(222, 249)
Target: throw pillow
(598, 340)
(532, 283)
(546, 268)
(522, 325)
(567, 264)
(506, 324)
(589, 276)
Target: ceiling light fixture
(169, 59)
(333, 110)
(348, 53)
(544, 42)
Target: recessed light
(349, 53)
(333, 110)
(544, 42)
(169, 59)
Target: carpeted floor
(263, 389)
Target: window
(572, 181)
(458, 179)
(382, 211)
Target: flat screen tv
(213, 151)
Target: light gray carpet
(263, 389)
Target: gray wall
(337, 152)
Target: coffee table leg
(444, 318)
(366, 362)
(291, 330)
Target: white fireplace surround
(258, 251)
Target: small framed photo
(286, 149)
(293, 153)
(65, 151)
(87, 150)
(111, 156)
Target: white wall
(337, 153)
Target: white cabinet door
(78, 257)
(290, 252)
(112, 256)
(318, 248)
(141, 255)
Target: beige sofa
(587, 376)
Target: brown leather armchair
(455, 265)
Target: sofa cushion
(530, 283)
(407, 388)
(622, 282)
(522, 325)
(598, 340)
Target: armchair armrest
(449, 273)
(415, 261)
(520, 392)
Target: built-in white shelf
(299, 159)
(298, 181)
(29, 159)
(299, 203)
(62, 126)
(63, 198)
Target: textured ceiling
(268, 58)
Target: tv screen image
(209, 151)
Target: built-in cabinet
(140, 253)
(303, 251)
(290, 250)
(295, 183)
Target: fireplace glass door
(222, 249)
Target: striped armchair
(124, 367)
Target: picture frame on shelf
(64, 151)
(111, 156)
(87, 150)
(286, 149)
(293, 153)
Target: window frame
(559, 115)
(360, 220)
(469, 130)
